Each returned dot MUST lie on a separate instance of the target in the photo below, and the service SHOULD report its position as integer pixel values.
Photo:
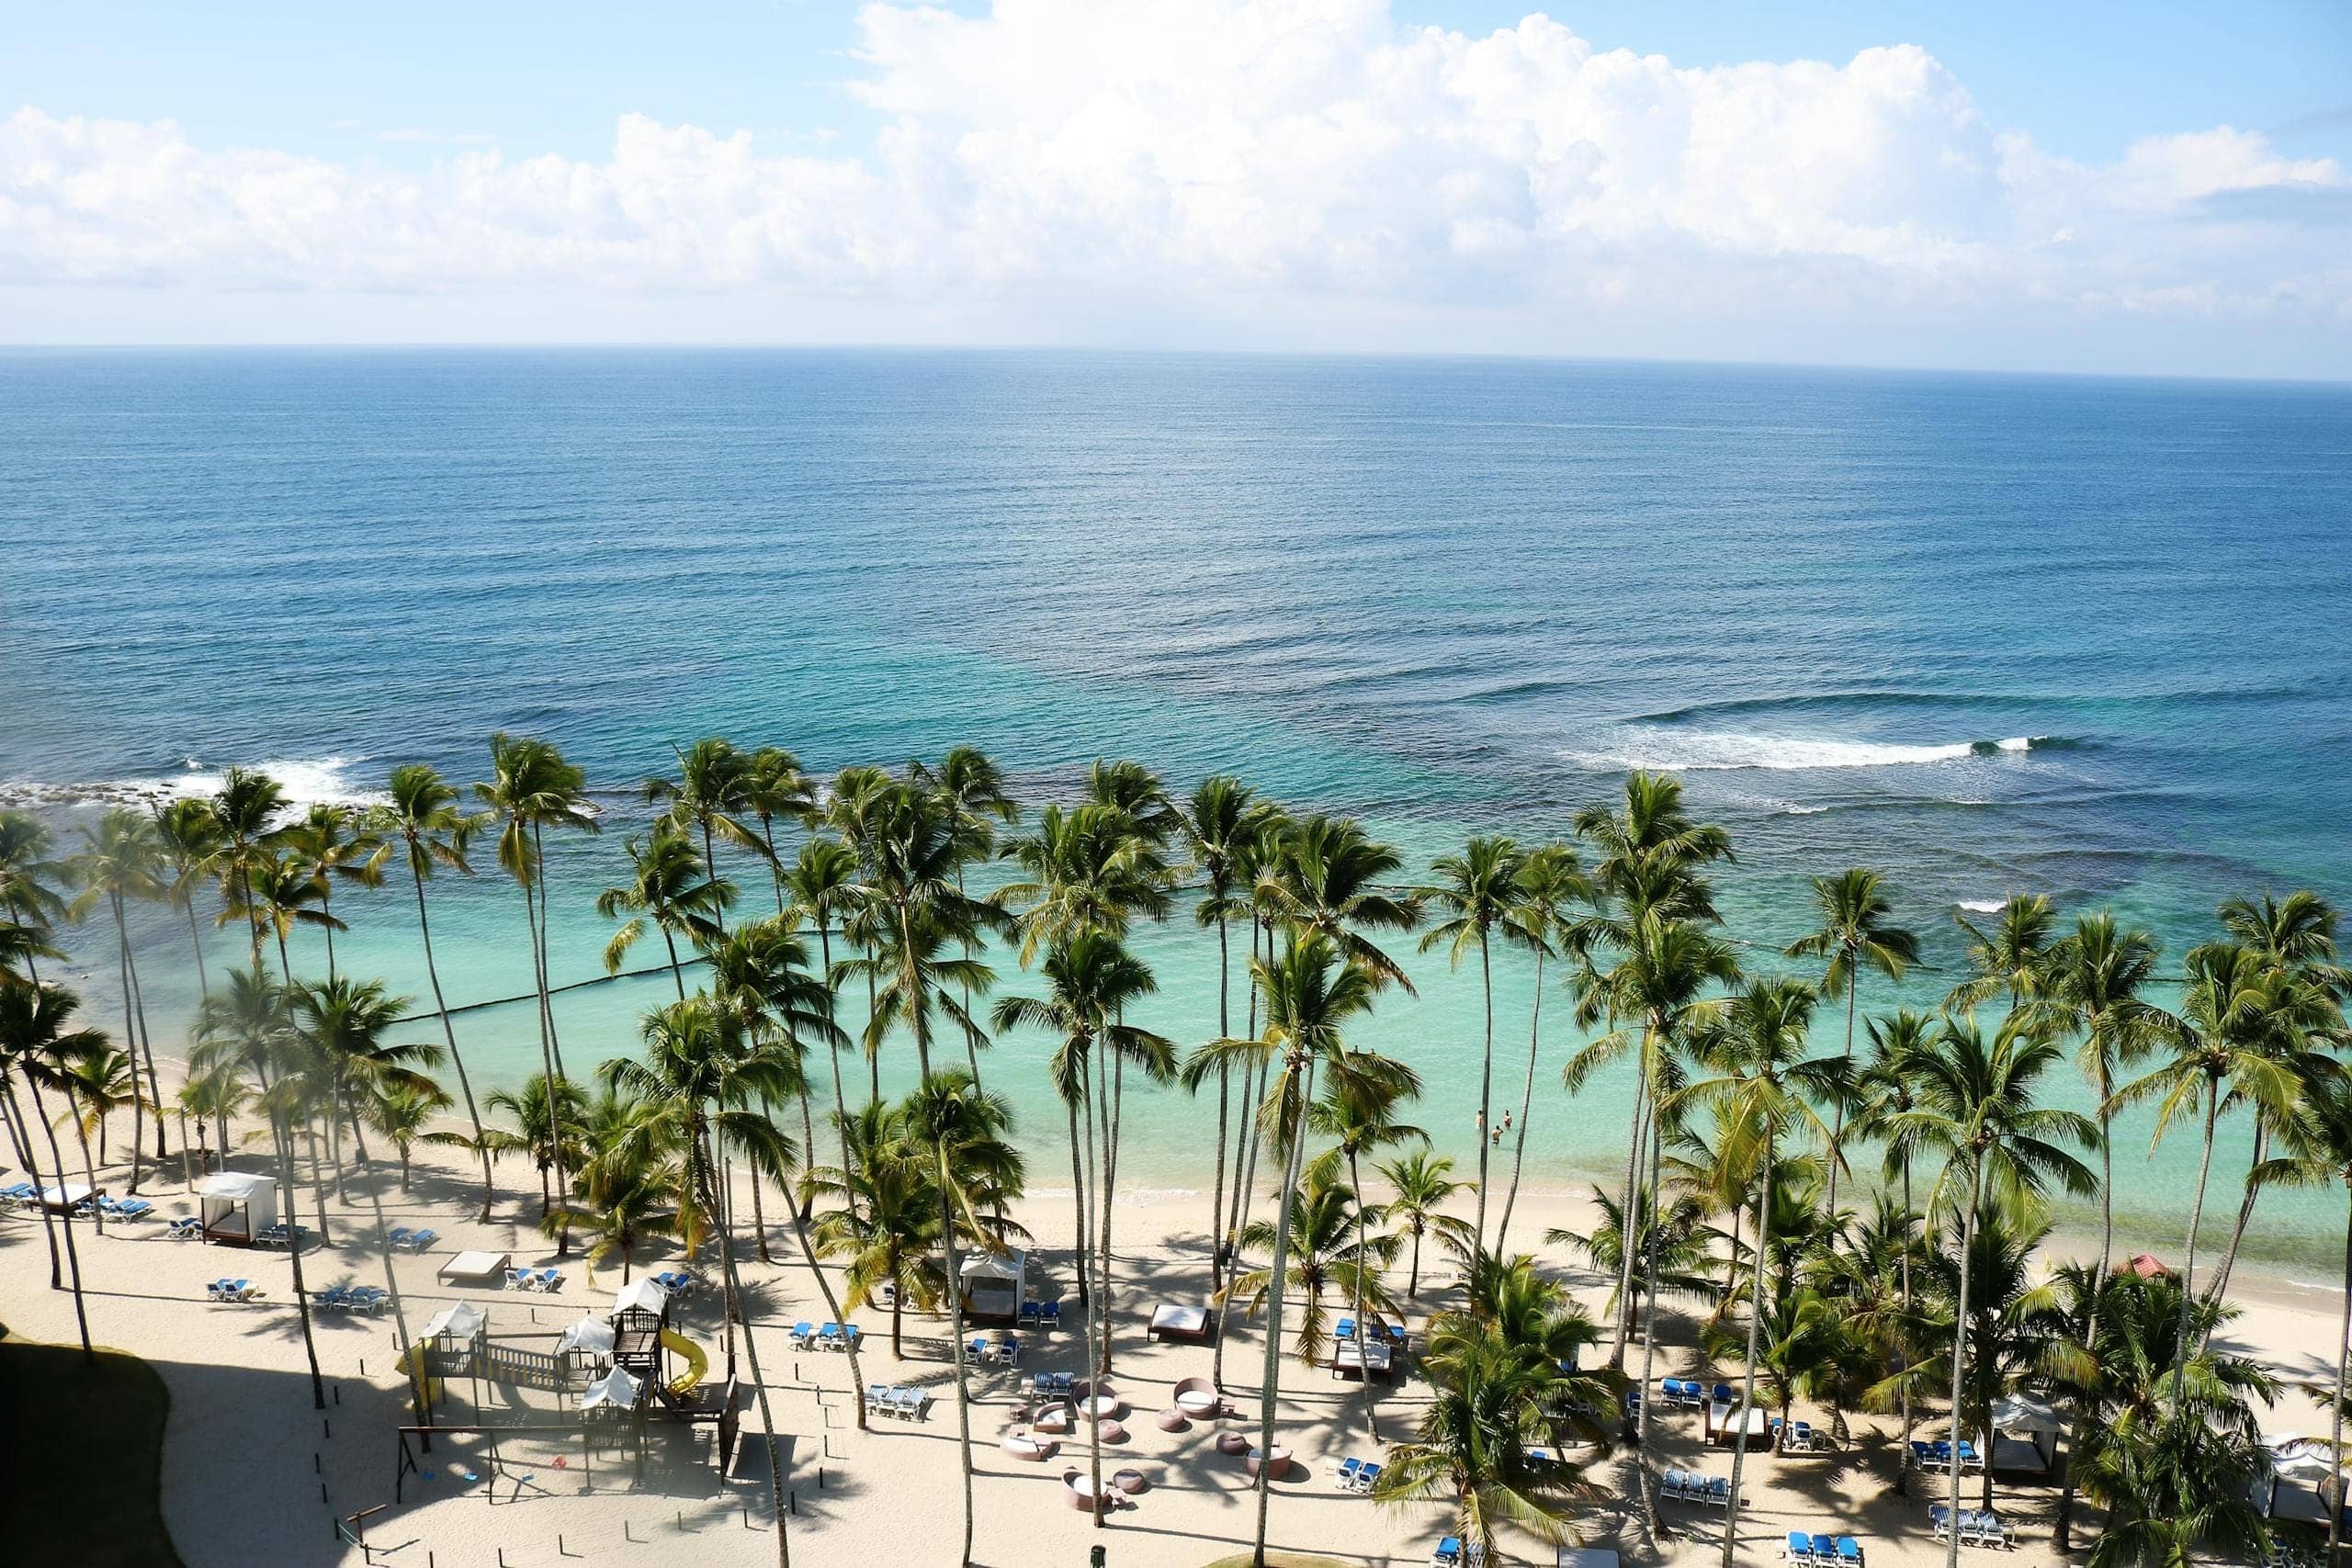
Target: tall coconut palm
(335, 843)
(1221, 818)
(885, 1232)
(760, 972)
(249, 1028)
(1332, 1258)
(282, 894)
(1896, 1041)
(1855, 931)
(1419, 1184)
(822, 884)
(38, 1045)
(1474, 892)
(404, 1111)
(1973, 1103)
(531, 787)
(245, 808)
(12, 1061)
(1327, 875)
(2095, 977)
(672, 888)
(1359, 1114)
(909, 869)
(421, 814)
(972, 787)
(30, 882)
(2010, 957)
(710, 796)
(98, 1086)
(1757, 1075)
(624, 1193)
(2298, 932)
(774, 786)
(550, 1115)
(1550, 883)
(2243, 1022)
(699, 1069)
(2319, 1148)
(188, 840)
(1312, 990)
(960, 1131)
(121, 860)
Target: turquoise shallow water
(2081, 637)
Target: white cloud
(1188, 153)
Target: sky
(2148, 188)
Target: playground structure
(615, 1379)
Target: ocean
(2073, 636)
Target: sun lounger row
(1797, 1438)
(535, 1279)
(1690, 1486)
(1938, 1455)
(1978, 1527)
(188, 1227)
(830, 1337)
(232, 1290)
(1053, 1386)
(23, 1192)
(1346, 1330)
(1045, 1315)
(1825, 1551)
(893, 1399)
(280, 1234)
(1451, 1553)
(113, 1209)
(1356, 1475)
(678, 1282)
(1001, 1351)
(1688, 1394)
(353, 1298)
(411, 1241)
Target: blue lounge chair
(186, 1226)
(1800, 1437)
(1939, 1520)
(1346, 1328)
(1344, 1478)
(1969, 1457)
(332, 1296)
(1922, 1454)
(419, 1240)
(1800, 1547)
(135, 1209)
(830, 1336)
(550, 1279)
(1053, 1313)
(397, 1236)
(978, 1347)
(850, 1334)
(1723, 1394)
(1448, 1554)
(518, 1279)
(1365, 1475)
(1850, 1551)
(801, 1334)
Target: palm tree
(1419, 1183)
(622, 1195)
(402, 1112)
(422, 813)
(334, 843)
(2012, 957)
(2298, 932)
(910, 871)
(1896, 1041)
(1973, 1103)
(1764, 1088)
(2243, 1020)
(1855, 930)
(531, 787)
(551, 1114)
(1683, 1246)
(1312, 991)
(29, 881)
(1490, 1443)
(1330, 1251)
(887, 1230)
(711, 795)
(673, 889)
(699, 1069)
(38, 1043)
(960, 1130)
(761, 972)
(1359, 1113)
(774, 786)
(1476, 890)
(13, 1063)
(281, 893)
(243, 807)
(2095, 977)
(189, 842)
(2320, 1154)
(1549, 882)
(1327, 875)
(249, 1028)
(1220, 820)
(972, 787)
(822, 884)
(98, 1085)
(121, 859)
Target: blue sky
(2020, 136)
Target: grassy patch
(82, 1451)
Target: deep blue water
(1446, 594)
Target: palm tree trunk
(956, 1318)
(1960, 1353)
(1413, 1284)
(547, 987)
(1485, 1082)
(834, 1308)
(2245, 1216)
(1838, 1121)
(1102, 1197)
(1526, 1105)
(808, 1152)
(1093, 1301)
(72, 1254)
(196, 936)
(759, 1216)
(1078, 1202)
(1649, 1351)
(1629, 1214)
(449, 1033)
(2195, 1213)
(833, 1052)
(384, 1249)
(1249, 1178)
(548, 1064)
(1224, 1106)
(751, 1351)
(1363, 1367)
(14, 1115)
(1275, 1285)
(89, 1169)
(2335, 1405)
(283, 1137)
(131, 1042)
(1902, 1471)
(1110, 1192)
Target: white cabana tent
(593, 1336)
(995, 1284)
(462, 1320)
(237, 1205)
(641, 1295)
(2302, 1467)
(2035, 1423)
(616, 1388)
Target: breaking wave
(305, 780)
(1672, 751)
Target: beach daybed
(1372, 1355)
(477, 1267)
(1021, 1445)
(1198, 1398)
(1190, 1324)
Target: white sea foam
(1673, 751)
(1792, 809)
(305, 780)
(1981, 906)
